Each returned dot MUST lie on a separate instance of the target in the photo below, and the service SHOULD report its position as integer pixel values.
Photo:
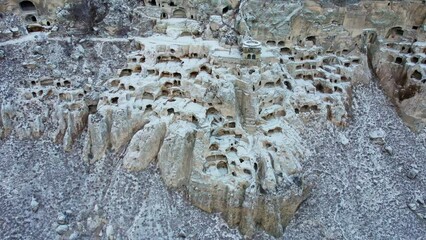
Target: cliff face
(219, 97)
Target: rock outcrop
(221, 126)
(220, 113)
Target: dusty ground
(362, 190)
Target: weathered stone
(175, 156)
(110, 232)
(220, 111)
(62, 219)
(62, 229)
(412, 173)
(389, 150)
(34, 204)
(378, 136)
(412, 206)
(144, 146)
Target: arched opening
(286, 51)
(214, 147)
(193, 74)
(147, 95)
(319, 87)
(125, 72)
(179, 13)
(27, 6)
(416, 75)
(225, 10)
(114, 100)
(271, 43)
(253, 56)
(170, 111)
(163, 15)
(35, 28)
(93, 108)
(312, 39)
(137, 69)
(67, 83)
(152, 2)
(177, 75)
(395, 32)
(212, 111)
(114, 83)
(172, 4)
(222, 167)
(205, 68)
(31, 18)
(408, 92)
(398, 60)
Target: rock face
(144, 146)
(223, 122)
(175, 157)
(225, 131)
(399, 62)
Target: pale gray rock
(412, 206)
(389, 150)
(412, 173)
(174, 158)
(62, 219)
(34, 204)
(240, 127)
(109, 232)
(62, 229)
(343, 139)
(74, 236)
(378, 136)
(144, 146)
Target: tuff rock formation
(214, 93)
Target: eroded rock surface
(216, 97)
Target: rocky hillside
(212, 119)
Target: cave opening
(27, 6)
